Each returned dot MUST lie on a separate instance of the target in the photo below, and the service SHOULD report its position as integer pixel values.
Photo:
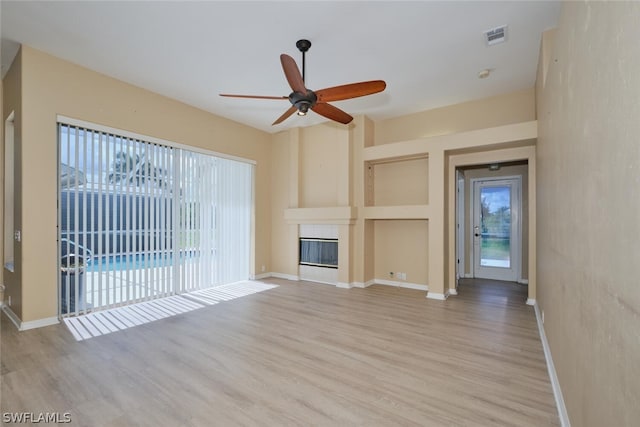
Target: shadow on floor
(486, 290)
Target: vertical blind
(139, 220)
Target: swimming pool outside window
(139, 220)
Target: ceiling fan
(303, 99)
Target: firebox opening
(319, 252)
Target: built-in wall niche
(397, 182)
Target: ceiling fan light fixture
(303, 108)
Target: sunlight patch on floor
(116, 319)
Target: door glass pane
(495, 226)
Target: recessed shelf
(325, 215)
(396, 212)
(396, 151)
(398, 183)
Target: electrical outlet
(9, 301)
(17, 235)
(404, 276)
(263, 268)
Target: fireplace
(319, 252)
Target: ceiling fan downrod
(303, 46)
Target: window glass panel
(495, 224)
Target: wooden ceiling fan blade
(286, 115)
(353, 90)
(230, 95)
(331, 112)
(292, 73)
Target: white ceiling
(429, 53)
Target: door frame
(516, 214)
(508, 153)
(460, 225)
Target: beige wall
(320, 165)
(401, 246)
(283, 256)
(364, 235)
(52, 86)
(588, 158)
(499, 110)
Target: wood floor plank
(297, 354)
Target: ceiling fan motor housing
(303, 45)
(303, 101)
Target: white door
(496, 228)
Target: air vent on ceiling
(496, 35)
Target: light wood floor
(299, 354)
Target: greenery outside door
(496, 228)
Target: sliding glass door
(139, 220)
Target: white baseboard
(285, 276)
(363, 285)
(531, 301)
(440, 297)
(322, 282)
(12, 316)
(553, 376)
(32, 324)
(260, 276)
(344, 285)
(408, 285)
(40, 323)
(453, 291)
